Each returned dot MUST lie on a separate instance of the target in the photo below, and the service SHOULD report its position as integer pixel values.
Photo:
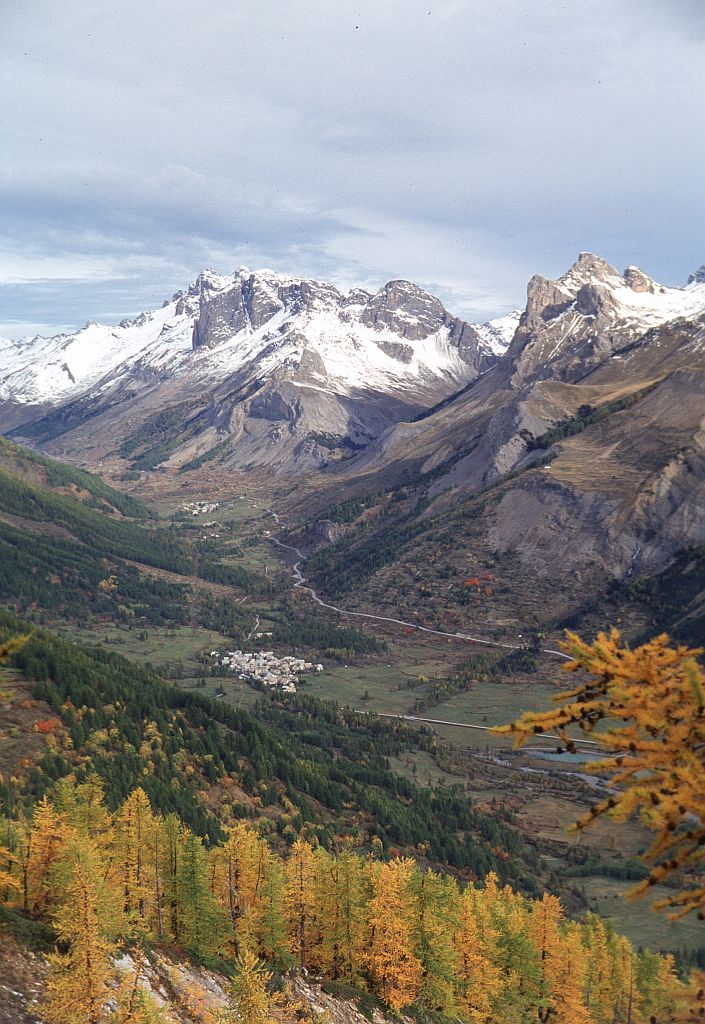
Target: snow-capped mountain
(591, 311)
(602, 392)
(267, 344)
(284, 372)
(222, 323)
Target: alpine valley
(274, 559)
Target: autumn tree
(237, 881)
(46, 839)
(562, 965)
(517, 958)
(8, 881)
(133, 1002)
(479, 979)
(77, 988)
(251, 999)
(393, 966)
(272, 936)
(300, 900)
(650, 705)
(341, 898)
(433, 905)
(135, 825)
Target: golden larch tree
(78, 985)
(300, 901)
(394, 967)
(650, 705)
(479, 979)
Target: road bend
(301, 584)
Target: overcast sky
(464, 144)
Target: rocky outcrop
(182, 992)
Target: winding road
(301, 584)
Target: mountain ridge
(295, 372)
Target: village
(198, 508)
(266, 668)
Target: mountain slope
(580, 455)
(273, 369)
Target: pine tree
(393, 966)
(77, 988)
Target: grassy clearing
(637, 920)
(161, 646)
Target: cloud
(465, 145)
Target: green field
(637, 920)
(161, 647)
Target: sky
(463, 144)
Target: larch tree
(562, 965)
(393, 966)
(478, 977)
(517, 957)
(46, 840)
(251, 999)
(237, 879)
(133, 1002)
(340, 893)
(8, 881)
(300, 900)
(201, 926)
(83, 807)
(78, 985)
(433, 903)
(135, 825)
(272, 936)
(599, 945)
(650, 705)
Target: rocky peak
(406, 309)
(638, 281)
(583, 317)
(698, 277)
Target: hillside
(294, 761)
(133, 896)
(574, 463)
(71, 545)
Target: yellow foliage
(650, 706)
(78, 985)
(8, 882)
(391, 960)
